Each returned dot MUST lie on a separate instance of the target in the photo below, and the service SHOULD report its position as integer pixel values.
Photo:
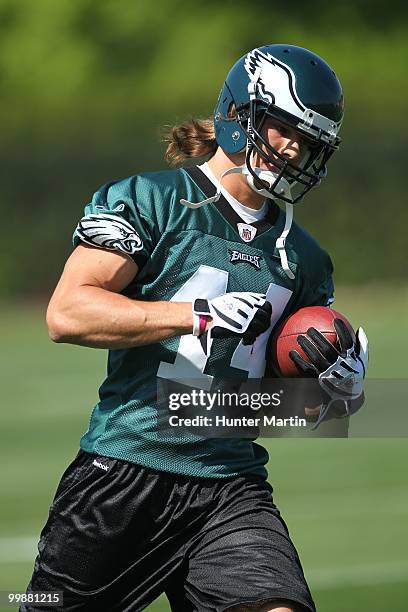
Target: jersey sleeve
(113, 220)
(323, 294)
(317, 287)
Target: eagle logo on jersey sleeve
(109, 232)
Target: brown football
(285, 338)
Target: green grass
(345, 501)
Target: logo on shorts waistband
(100, 465)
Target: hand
(340, 372)
(243, 314)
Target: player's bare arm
(87, 308)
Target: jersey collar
(226, 210)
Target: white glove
(242, 314)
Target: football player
(182, 275)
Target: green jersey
(183, 254)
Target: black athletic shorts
(118, 535)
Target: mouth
(271, 167)
(277, 170)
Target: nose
(291, 146)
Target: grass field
(345, 501)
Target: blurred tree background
(86, 85)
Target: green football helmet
(296, 87)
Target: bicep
(95, 267)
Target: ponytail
(194, 138)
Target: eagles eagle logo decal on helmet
(276, 81)
(109, 232)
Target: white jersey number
(188, 367)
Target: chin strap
(280, 243)
(235, 170)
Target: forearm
(103, 319)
